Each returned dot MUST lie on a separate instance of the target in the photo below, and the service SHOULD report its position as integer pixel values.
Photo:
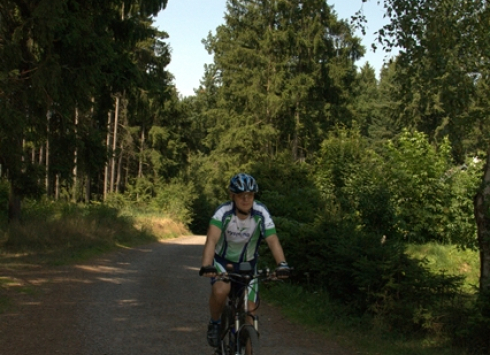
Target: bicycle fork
(255, 318)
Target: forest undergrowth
(59, 234)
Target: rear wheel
(249, 341)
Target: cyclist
(234, 234)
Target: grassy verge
(368, 335)
(58, 234)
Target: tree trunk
(142, 149)
(49, 190)
(57, 187)
(482, 216)
(14, 212)
(108, 144)
(119, 177)
(41, 160)
(114, 144)
(74, 196)
(88, 192)
(119, 169)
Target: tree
(283, 70)
(45, 47)
(442, 66)
(365, 99)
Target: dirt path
(141, 301)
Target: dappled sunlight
(113, 280)
(183, 329)
(147, 295)
(187, 240)
(103, 269)
(131, 302)
(31, 303)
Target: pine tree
(283, 73)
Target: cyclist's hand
(283, 270)
(209, 271)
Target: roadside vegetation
(53, 234)
(375, 334)
(378, 182)
(58, 233)
(382, 241)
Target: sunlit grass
(450, 260)
(59, 234)
(62, 233)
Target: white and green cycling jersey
(240, 239)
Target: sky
(187, 22)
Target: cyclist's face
(244, 201)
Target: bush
(433, 200)
(175, 200)
(172, 199)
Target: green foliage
(433, 199)
(471, 328)
(376, 277)
(365, 99)
(353, 245)
(56, 227)
(351, 180)
(450, 260)
(334, 320)
(175, 200)
(290, 195)
(172, 199)
(283, 75)
(442, 59)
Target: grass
(59, 234)
(451, 260)
(368, 335)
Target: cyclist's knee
(221, 290)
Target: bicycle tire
(227, 339)
(249, 338)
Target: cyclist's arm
(275, 248)
(212, 239)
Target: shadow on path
(140, 301)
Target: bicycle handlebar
(264, 275)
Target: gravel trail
(140, 301)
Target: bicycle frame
(236, 330)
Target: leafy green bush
(356, 248)
(290, 194)
(351, 180)
(433, 200)
(175, 199)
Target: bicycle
(237, 336)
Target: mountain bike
(237, 336)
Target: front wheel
(249, 341)
(227, 336)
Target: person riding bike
(234, 234)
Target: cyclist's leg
(249, 334)
(219, 293)
(253, 297)
(217, 300)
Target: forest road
(140, 301)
